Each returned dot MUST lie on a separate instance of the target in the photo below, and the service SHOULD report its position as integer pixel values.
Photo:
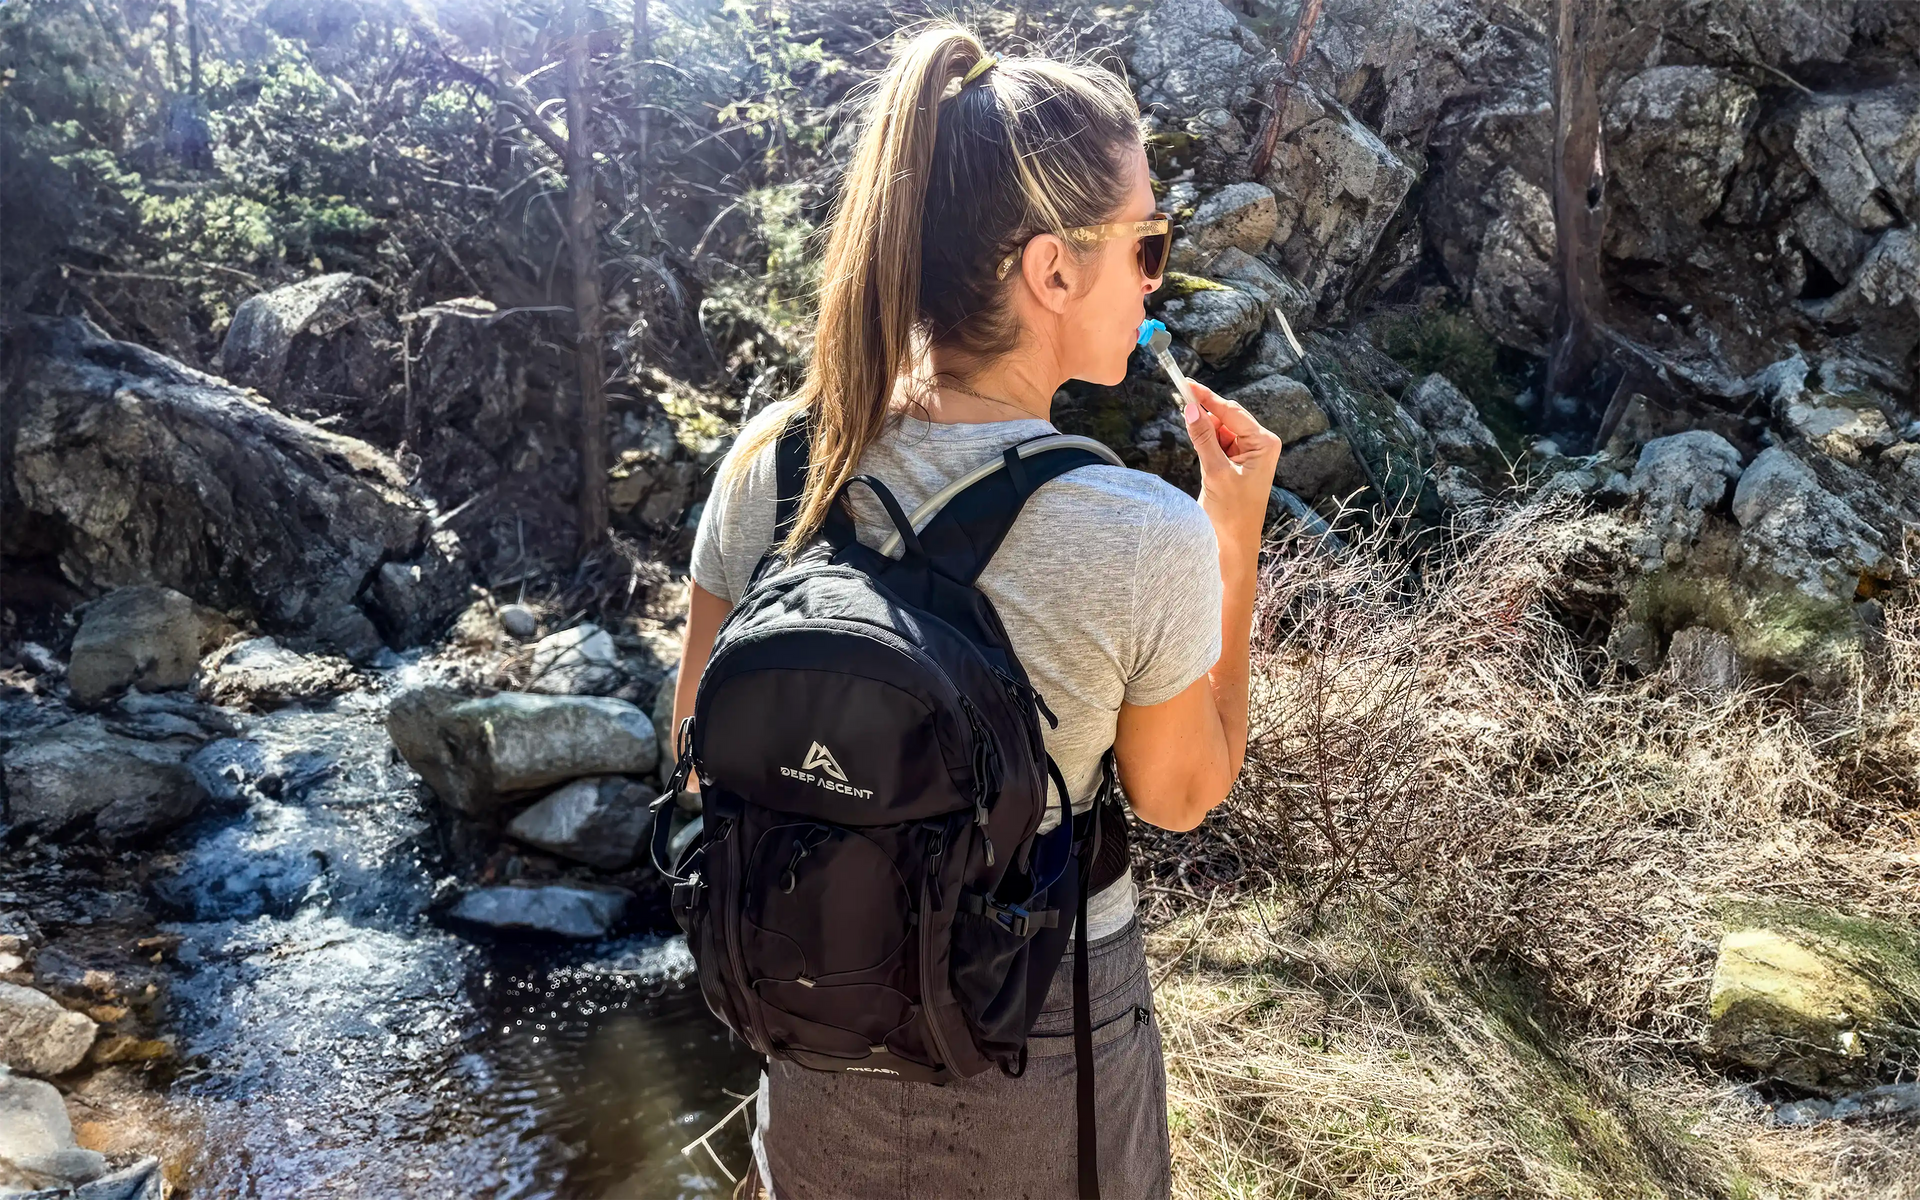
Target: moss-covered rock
(1822, 1008)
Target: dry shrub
(1453, 933)
(1425, 729)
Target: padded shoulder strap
(962, 536)
(790, 474)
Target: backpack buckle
(1015, 919)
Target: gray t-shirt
(1108, 582)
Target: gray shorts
(848, 1136)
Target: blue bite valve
(1154, 336)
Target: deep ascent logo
(831, 777)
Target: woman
(972, 268)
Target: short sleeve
(1176, 601)
(736, 525)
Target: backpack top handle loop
(840, 528)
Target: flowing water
(339, 1042)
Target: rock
(474, 753)
(36, 1134)
(1337, 185)
(414, 602)
(519, 621)
(1450, 417)
(131, 787)
(143, 1180)
(261, 673)
(581, 661)
(1861, 146)
(1320, 467)
(1703, 660)
(1673, 136)
(139, 470)
(1217, 321)
(144, 637)
(598, 821)
(1786, 1004)
(574, 912)
(1678, 478)
(1634, 644)
(1284, 405)
(317, 348)
(1842, 422)
(1192, 56)
(1798, 535)
(1235, 266)
(346, 629)
(37, 1035)
(1354, 382)
(1240, 215)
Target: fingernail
(1193, 413)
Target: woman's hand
(1238, 456)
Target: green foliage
(776, 61)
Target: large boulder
(38, 1035)
(149, 638)
(1338, 185)
(1674, 135)
(1284, 405)
(1799, 536)
(320, 348)
(130, 787)
(141, 470)
(476, 753)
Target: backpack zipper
(985, 764)
(731, 932)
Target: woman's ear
(1051, 273)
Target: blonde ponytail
(1027, 146)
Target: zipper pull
(935, 849)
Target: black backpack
(867, 890)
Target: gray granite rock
(474, 753)
(574, 912)
(37, 1035)
(599, 821)
(145, 637)
(1284, 405)
(37, 1136)
(130, 787)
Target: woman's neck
(1012, 387)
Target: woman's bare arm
(705, 611)
(1179, 758)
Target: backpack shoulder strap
(790, 473)
(963, 524)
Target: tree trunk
(1579, 196)
(583, 246)
(193, 48)
(642, 51)
(1303, 24)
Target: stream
(338, 1041)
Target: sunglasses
(1155, 234)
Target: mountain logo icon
(820, 758)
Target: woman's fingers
(1202, 429)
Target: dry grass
(1494, 874)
